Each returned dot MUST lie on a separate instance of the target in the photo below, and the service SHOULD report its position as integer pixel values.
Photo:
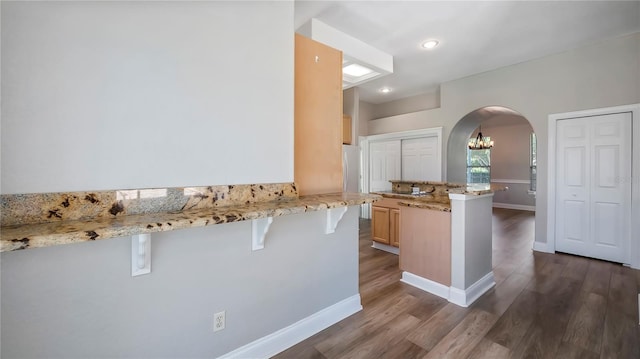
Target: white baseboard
(542, 247)
(285, 338)
(466, 297)
(461, 297)
(514, 206)
(427, 285)
(517, 181)
(386, 248)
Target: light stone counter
(437, 193)
(426, 201)
(42, 220)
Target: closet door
(384, 164)
(420, 159)
(593, 203)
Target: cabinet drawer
(388, 203)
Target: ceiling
(475, 36)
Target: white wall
(603, 74)
(111, 95)
(409, 104)
(80, 301)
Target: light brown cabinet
(380, 224)
(346, 130)
(317, 117)
(385, 222)
(426, 243)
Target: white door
(420, 159)
(593, 203)
(384, 164)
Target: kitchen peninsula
(444, 236)
(243, 238)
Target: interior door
(420, 159)
(593, 203)
(384, 164)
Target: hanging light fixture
(480, 142)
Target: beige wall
(510, 155)
(351, 107)
(409, 121)
(603, 74)
(410, 104)
(510, 159)
(366, 110)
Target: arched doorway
(463, 130)
(510, 166)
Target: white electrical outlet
(219, 321)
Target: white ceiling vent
(361, 62)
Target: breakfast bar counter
(43, 220)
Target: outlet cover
(219, 321)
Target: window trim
(469, 166)
(533, 163)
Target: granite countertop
(479, 189)
(36, 235)
(426, 201)
(437, 196)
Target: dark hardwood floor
(543, 306)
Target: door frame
(365, 142)
(634, 109)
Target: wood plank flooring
(543, 306)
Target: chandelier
(480, 142)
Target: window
(479, 166)
(533, 161)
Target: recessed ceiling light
(385, 90)
(430, 44)
(356, 70)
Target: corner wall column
(471, 247)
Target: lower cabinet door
(380, 224)
(394, 227)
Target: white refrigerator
(350, 168)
